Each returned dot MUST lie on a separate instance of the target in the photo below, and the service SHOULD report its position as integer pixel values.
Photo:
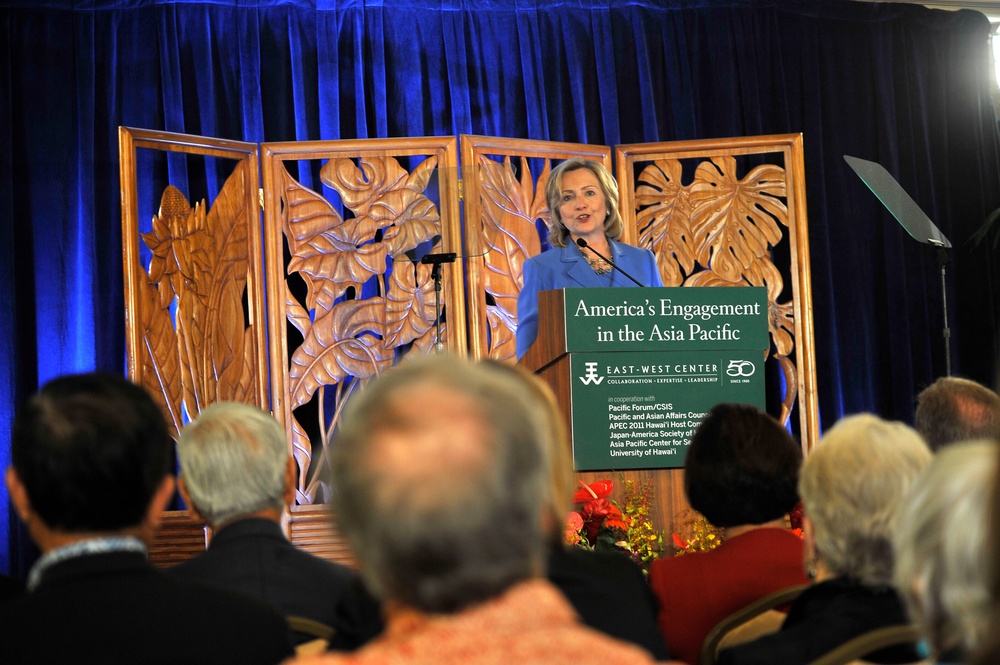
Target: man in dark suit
(89, 479)
(238, 475)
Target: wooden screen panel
(194, 315)
(347, 297)
(504, 208)
(507, 198)
(180, 537)
(716, 213)
(194, 312)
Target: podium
(635, 369)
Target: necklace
(598, 264)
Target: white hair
(233, 459)
(943, 558)
(852, 485)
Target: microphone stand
(437, 260)
(583, 245)
(942, 257)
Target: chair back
(760, 617)
(305, 628)
(854, 650)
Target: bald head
(439, 475)
(953, 409)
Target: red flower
(599, 489)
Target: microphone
(583, 245)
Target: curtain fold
(903, 85)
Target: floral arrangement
(604, 524)
(704, 536)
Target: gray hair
(233, 459)
(613, 225)
(439, 482)
(557, 446)
(852, 485)
(943, 558)
(953, 409)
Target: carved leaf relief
(664, 219)
(361, 309)
(733, 221)
(719, 231)
(161, 374)
(340, 343)
(510, 208)
(409, 304)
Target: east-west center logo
(591, 377)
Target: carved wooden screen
(716, 213)
(346, 225)
(195, 316)
(505, 216)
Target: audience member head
(613, 226)
(439, 482)
(555, 445)
(989, 652)
(953, 409)
(90, 455)
(852, 485)
(943, 560)
(742, 467)
(235, 463)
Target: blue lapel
(576, 269)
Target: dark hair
(953, 409)
(742, 467)
(91, 450)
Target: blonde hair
(613, 226)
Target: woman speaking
(583, 202)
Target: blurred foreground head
(943, 551)
(440, 475)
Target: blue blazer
(565, 267)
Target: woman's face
(583, 206)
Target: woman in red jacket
(741, 473)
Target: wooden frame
(347, 336)
(751, 206)
(500, 211)
(504, 207)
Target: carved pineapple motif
(197, 348)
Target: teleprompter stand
(914, 220)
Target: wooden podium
(643, 365)
(548, 357)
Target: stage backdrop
(903, 85)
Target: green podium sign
(642, 366)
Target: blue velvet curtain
(903, 85)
